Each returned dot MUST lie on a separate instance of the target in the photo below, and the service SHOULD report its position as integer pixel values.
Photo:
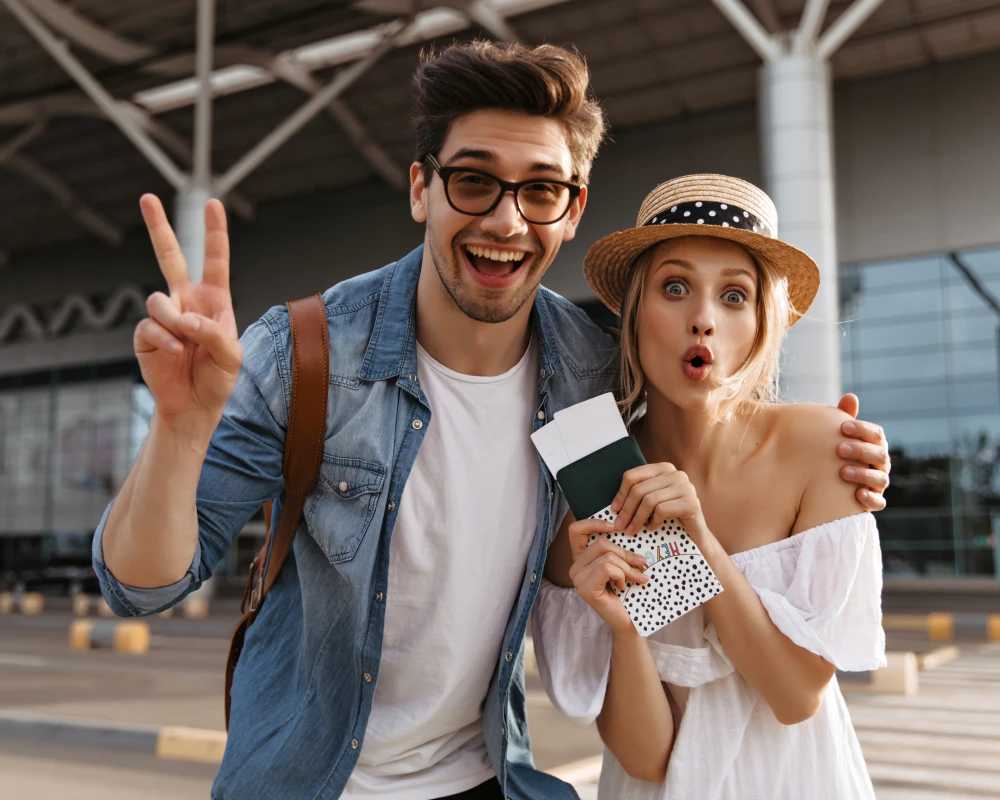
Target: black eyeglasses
(476, 193)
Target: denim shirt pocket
(340, 508)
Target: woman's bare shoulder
(808, 435)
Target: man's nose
(505, 219)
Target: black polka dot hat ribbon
(719, 206)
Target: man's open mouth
(495, 262)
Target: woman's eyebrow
(736, 271)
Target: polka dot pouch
(679, 577)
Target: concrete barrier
(125, 636)
(945, 626)
(900, 675)
(32, 603)
(191, 744)
(81, 605)
(195, 606)
(6, 603)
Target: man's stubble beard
(481, 311)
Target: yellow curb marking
(191, 744)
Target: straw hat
(701, 205)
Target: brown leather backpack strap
(303, 455)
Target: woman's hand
(596, 566)
(658, 491)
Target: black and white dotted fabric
(679, 577)
(705, 212)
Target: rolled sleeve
(132, 601)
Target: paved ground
(944, 743)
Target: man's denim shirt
(303, 689)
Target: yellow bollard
(941, 627)
(132, 637)
(6, 603)
(81, 605)
(993, 627)
(195, 607)
(32, 603)
(79, 634)
(167, 613)
(103, 609)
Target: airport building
(873, 124)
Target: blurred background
(874, 125)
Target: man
(387, 659)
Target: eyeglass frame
(505, 186)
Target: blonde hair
(755, 381)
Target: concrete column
(796, 143)
(189, 225)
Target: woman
(736, 699)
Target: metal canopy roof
(67, 172)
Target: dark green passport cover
(591, 483)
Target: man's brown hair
(546, 81)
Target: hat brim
(606, 265)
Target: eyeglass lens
(538, 201)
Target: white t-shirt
(458, 555)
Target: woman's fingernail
(850, 427)
(616, 505)
(643, 578)
(845, 449)
(850, 472)
(617, 523)
(628, 530)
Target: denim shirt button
(503, 730)
(391, 506)
(542, 372)
(417, 424)
(343, 486)
(354, 744)
(534, 577)
(378, 597)
(541, 415)
(509, 655)
(368, 677)
(413, 377)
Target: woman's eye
(675, 288)
(735, 297)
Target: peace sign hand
(188, 349)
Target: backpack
(303, 454)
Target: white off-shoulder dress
(822, 588)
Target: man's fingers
(865, 431)
(873, 479)
(849, 404)
(216, 265)
(165, 245)
(224, 349)
(872, 454)
(151, 335)
(165, 311)
(870, 500)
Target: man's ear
(418, 209)
(574, 215)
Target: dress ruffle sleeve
(573, 651)
(823, 589)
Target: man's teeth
(496, 255)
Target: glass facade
(920, 349)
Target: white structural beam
(203, 104)
(61, 53)
(83, 32)
(485, 15)
(845, 25)
(67, 198)
(10, 148)
(811, 24)
(305, 113)
(764, 9)
(749, 27)
(356, 130)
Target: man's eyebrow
(491, 158)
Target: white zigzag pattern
(91, 317)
